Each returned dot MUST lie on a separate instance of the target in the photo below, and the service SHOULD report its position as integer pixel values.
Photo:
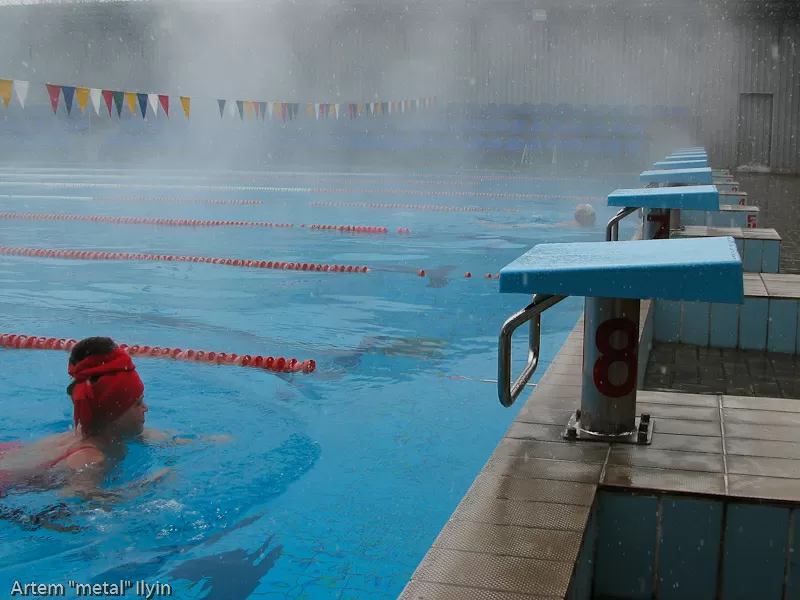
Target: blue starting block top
(675, 175)
(697, 269)
(681, 164)
(692, 149)
(681, 157)
(690, 197)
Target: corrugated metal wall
(500, 55)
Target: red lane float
(268, 363)
(189, 222)
(235, 262)
(351, 228)
(432, 207)
(184, 200)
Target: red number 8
(610, 355)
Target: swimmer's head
(585, 215)
(107, 392)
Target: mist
(671, 72)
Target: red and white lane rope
(269, 363)
(133, 199)
(193, 222)
(429, 207)
(315, 190)
(235, 262)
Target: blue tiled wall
(751, 261)
(674, 547)
(782, 330)
(668, 321)
(755, 552)
(689, 548)
(626, 546)
(771, 257)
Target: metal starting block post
(613, 278)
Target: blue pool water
(336, 483)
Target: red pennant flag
(164, 100)
(54, 91)
(108, 98)
(256, 106)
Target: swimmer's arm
(165, 438)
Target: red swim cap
(117, 388)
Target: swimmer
(585, 217)
(108, 411)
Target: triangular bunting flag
(164, 101)
(82, 94)
(54, 91)
(96, 96)
(359, 108)
(186, 104)
(310, 110)
(283, 111)
(153, 100)
(118, 98)
(21, 88)
(108, 97)
(232, 108)
(69, 94)
(331, 110)
(6, 86)
(257, 109)
(240, 108)
(142, 104)
(263, 110)
(248, 107)
(130, 98)
(221, 104)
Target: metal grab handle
(507, 390)
(612, 229)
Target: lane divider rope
(133, 199)
(316, 190)
(419, 177)
(277, 364)
(235, 262)
(192, 222)
(431, 207)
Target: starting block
(613, 278)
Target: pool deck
(726, 428)
(518, 532)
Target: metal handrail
(508, 391)
(612, 229)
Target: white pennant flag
(270, 108)
(152, 100)
(96, 96)
(337, 110)
(316, 112)
(233, 109)
(21, 88)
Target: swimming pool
(337, 482)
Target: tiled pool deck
(727, 434)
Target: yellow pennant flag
(248, 107)
(5, 91)
(185, 101)
(82, 94)
(358, 109)
(130, 98)
(310, 110)
(377, 108)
